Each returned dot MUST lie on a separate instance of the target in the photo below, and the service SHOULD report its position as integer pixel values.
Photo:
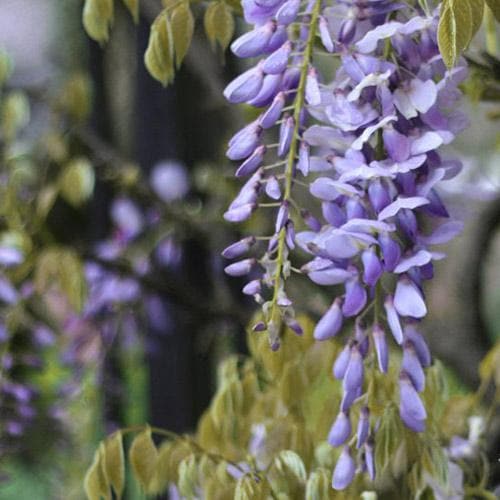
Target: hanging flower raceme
(374, 155)
(281, 83)
(382, 120)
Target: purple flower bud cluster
(381, 122)
(281, 84)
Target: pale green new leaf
(143, 455)
(494, 5)
(114, 463)
(133, 7)
(219, 23)
(97, 18)
(159, 56)
(182, 22)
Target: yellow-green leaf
(114, 463)
(133, 7)
(95, 484)
(75, 98)
(318, 485)
(494, 5)
(182, 22)
(219, 23)
(290, 460)
(97, 18)
(188, 477)
(61, 268)
(455, 29)
(77, 181)
(163, 469)
(251, 487)
(477, 12)
(159, 56)
(143, 455)
(15, 114)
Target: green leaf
(219, 23)
(318, 485)
(77, 181)
(95, 484)
(159, 56)
(114, 463)
(455, 29)
(389, 437)
(97, 19)
(182, 22)
(477, 12)
(133, 7)
(143, 455)
(494, 5)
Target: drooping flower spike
(368, 142)
(283, 83)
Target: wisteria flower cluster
(114, 304)
(368, 142)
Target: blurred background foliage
(114, 307)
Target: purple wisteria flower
(380, 124)
(367, 143)
(281, 83)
